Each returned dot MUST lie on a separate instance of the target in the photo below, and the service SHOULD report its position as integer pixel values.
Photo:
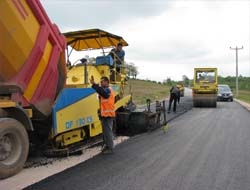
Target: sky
(167, 38)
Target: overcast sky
(167, 38)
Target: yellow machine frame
(79, 120)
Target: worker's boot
(104, 147)
(108, 151)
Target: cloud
(198, 35)
(86, 14)
(166, 38)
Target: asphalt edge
(244, 104)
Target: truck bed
(31, 54)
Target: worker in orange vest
(107, 111)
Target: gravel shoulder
(46, 167)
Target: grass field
(143, 90)
(244, 95)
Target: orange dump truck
(32, 73)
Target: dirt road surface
(204, 149)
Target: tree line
(243, 82)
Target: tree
(132, 70)
(168, 81)
(185, 80)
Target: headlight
(219, 94)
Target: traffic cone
(165, 128)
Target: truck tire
(14, 147)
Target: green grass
(143, 90)
(244, 95)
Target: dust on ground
(50, 167)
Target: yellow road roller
(205, 87)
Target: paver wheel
(14, 147)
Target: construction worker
(174, 93)
(107, 112)
(118, 57)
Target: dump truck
(45, 101)
(205, 87)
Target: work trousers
(108, 136)
(173, 97)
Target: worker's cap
(119, 44)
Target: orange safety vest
(108, 105)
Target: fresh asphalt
(203, 149)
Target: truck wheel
(14, 147)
